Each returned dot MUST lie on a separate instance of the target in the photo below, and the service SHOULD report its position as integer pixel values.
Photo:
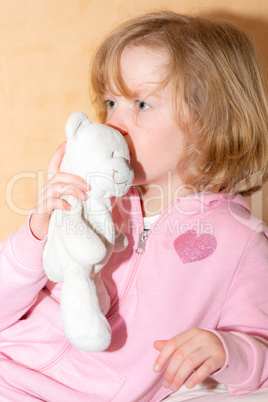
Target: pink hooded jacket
(205, 264)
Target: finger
(68, 178)
(179, 370)
(171, 346)
(53, 203)
(59, 203)
(206, 369)
(55, 161)
(158, 345)
(58, 190)
(166, 352)
(214, 361)
(196, 355)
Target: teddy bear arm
(78, 239)
(85, 247)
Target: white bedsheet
(210, 391)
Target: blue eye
(142, 105)
(111, 104)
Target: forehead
(142, 68)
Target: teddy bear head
(99, 154)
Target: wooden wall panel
(45, 48)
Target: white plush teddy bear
(81, 241)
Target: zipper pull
(140, 249)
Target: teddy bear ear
(75, 122)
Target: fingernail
(87, 186)
(156, 367)
(85, 196)
(50, 176)
(189, 384)
(166, 384)
(173, 387)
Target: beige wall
(45, 49)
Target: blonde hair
(215, 76)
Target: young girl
(189, 295)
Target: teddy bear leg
(85, 325)
(102, 294)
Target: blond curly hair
(215, 75)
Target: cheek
(175, 138)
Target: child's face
(146, 121)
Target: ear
(76, 121)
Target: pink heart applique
(192, 247)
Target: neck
(156, 198)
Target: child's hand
(48, 198)
(195, 351)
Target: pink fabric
(155, 295)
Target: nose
(117, 122)
(116, 127)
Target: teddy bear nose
(127, 162)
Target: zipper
(140, 249)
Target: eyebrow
(144, 91)
(147, 92)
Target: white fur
(81, 241)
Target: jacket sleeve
(243, 326)
(21, 274)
